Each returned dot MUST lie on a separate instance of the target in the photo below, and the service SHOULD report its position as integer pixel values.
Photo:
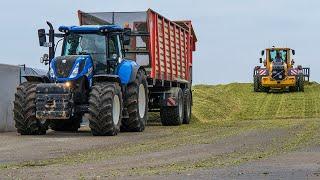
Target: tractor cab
(87, 50)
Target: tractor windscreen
(99, 47)
(86, 44)
(278, 55)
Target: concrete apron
(9, 79)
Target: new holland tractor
(90, 76)
(279, 72)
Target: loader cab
(278, 55)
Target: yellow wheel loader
(278, 71)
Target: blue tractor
(92, 76)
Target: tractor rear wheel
(105, 109)
(136, 102)
(69, 125)
(25, 111)
(173, 115)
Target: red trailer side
(171, 46)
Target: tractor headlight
(75, 71)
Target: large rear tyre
(24, 111)
(187, 106)
(173, 115)
(69, 125)
(136, 102)
(105, 109)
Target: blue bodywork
(87, 70)
(90, 29)
(126, 70)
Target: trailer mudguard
(127, 71)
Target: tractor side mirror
(293, 52)
(126, 36)
(260, 60)
(262, 53)
(42, 37)
(45, 59)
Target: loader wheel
(25, 111)
(261, 87)
(173, 115)
(256, 82)
(69, 125)
(301, 83)
(187, 102)
(137, 104)
(264, 89)
(105, 108)
(292, 89)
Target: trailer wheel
(69, 125)
(25, 111)
(105, 109)
(137, 104)
(256, 84)
(173, 115)
(187, 105)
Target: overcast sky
(231, 33)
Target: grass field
(221, 114)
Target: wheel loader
(278, 71)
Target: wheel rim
(188, 107)
(180, 108)
(116, 109)
(142, 101)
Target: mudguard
(35, 78)
(127, 71)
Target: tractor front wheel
(25, 111)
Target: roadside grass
(219, 112)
